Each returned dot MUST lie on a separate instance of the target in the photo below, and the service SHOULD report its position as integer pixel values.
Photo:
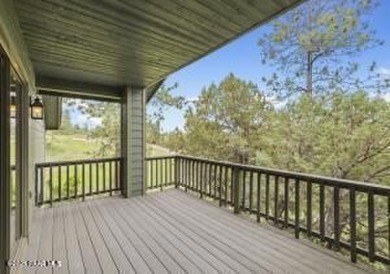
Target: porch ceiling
(119, 42)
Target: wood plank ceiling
(137, 42)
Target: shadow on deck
(168, 231)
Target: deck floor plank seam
(231, 256)
(303, 249)
(168, 246)
(138, 263)
(165, 257)
(104, 256)
(188, 241)
(149, 257)
(222, 239)
(46, 243)
(257, 246)
(75, 262)
(121, 261)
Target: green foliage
(225, 121)
(344, 136)
(309, 45)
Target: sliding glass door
(13, 161)
(5, 157)
(16, 187)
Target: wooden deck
(167, 232)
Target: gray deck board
(168, 232)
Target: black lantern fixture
(13, 107)
(36, 109)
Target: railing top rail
(330, 181)
(74, 162)
(162, 157)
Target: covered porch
(122, 51)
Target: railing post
(177, 170)
(36, 185)
(236, 189)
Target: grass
(64, 147)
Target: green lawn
(64, 147)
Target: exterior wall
(36, 155)
(133, 142)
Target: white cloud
(386, 97)
(385, 72)
(192, 99)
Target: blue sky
(242, 57)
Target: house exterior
(117, 51)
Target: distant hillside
(63, 147)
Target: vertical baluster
(308, 207)
(192, 174)
(232, 185)
(118, 177)
(36, 184)
(322, 213)
(42, 194)
(215, 181)
(297, 208)
(388, 226)
(276, 204)
(104, 176)
(210, 178)
(59, 184)
(90, 179)
(161, 178)
(243, 201)
(51, 185)
(166, 171)
(186, 174)
(110, 177)
(226, 184)
(336, 202)
(201, 178)
(177, 171)
(371, 227)
(220, 185)
(171, 160)
(75, 181)
(97, 178)
(250, 192)
(286, 201)
(83, 179)
(352, 223)
(267, 196)
(197, 176)
(258, 196)
(67, 183)
(189, 174)
(156, 173)
(236, 183)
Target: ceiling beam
(82, 90)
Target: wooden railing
(160, 172)
(58, 181)
(344, 215)
(328, 210)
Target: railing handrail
(329, 181)
(74, 162)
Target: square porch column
(133, 143)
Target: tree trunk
(309, 74)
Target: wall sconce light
(36, 109)
(13, 107)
